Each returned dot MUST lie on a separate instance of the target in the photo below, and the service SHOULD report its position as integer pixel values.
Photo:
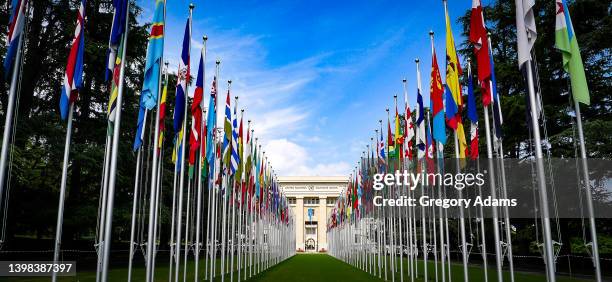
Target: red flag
(478, 37)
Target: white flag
(526, 33)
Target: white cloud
(290, 159)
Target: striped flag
(112, 102)
(227, 130)
(454, 99)
(211, 123)
(116, 35)
(196, 116)
(420, 124)
(382, 162)
(235, 158)
(409, 128)
(437, 103)
(73, 77)
(15, 26)
(566, 42)
(162, 116)
(472, 115)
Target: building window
(311, 231)
(291, 201)
(311, 201)
(331, 201)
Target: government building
(312, 199)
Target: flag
(183, 77)
(211, 123)
(112, 102)
(478, 37)
(234, 159)
(497, 115)
(73, 77)
(420, 124)
(454, 99)
(437, 104)
(566, 42)
(472, 115)
(526, 32)
(196, 115)
(227, 130)
(409, 128)
(429, 156)
(15, 26)
(162, 116)
(239, 170)
(381, 153)
(117, 29)
(155, 52)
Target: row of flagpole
(259, 228)
(354, 222)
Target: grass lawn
(302, 267)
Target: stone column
(322, 223)
(299, 223)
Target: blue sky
(313, 76)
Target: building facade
(312, 198)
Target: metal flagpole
(181, 170)
(135, 200)
(503, 179)
(535, 124)
(496, 238)
(483, 245)
(585, 174)
(233, 199)
(62, 197)
(199, 175)
(173, 224)
(113, 160)
(187, 223)
(10, 111)
(423, 223)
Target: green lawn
(303, 267)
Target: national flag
(240, 148)
(382, 161)
(162, 115)
(227, 130)
(390, 139)
(497, 115)
(117, 29)
(15, 29)
(420, 124)
(566, 42)
(454, 101)
(526, 33)
(155, 52)
(478, 37)
(73, 77)
(211, 123)
(472, 115)
(409, 128)
(196, 116)
(234, 159)
(112, 102)
(183, 77)
(429, 156)
(437, 104)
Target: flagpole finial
(236, 97)
(404, 80)
(191, 6)
(380, 121)
(469, 59)
(431, 33)
(242, 110)
(488, 34)
(204, 38)
(387, 109)
(395, 96)
(229, 81)
(417, 60)
(249, 121)
(218, 62)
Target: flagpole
(158, 185)
(199, 175)
(585, 175)
(60, 208)
(10, 111)
(503, 172)
(495, 216)
(233, 198)
(423, 223)
(535, 124)
(113, 160)
(135, 201)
